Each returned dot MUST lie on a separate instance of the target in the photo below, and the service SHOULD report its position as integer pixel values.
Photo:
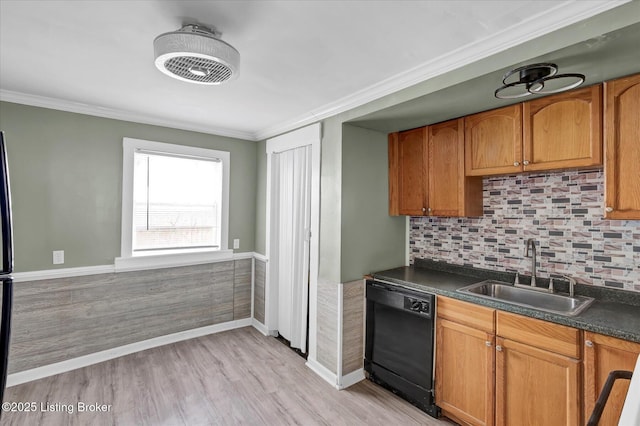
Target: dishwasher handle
(417, 303)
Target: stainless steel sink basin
(549, 302)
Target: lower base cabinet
(535, 386)
(603, 354)
(464, 363)
(494, 367)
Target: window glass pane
(177, 202)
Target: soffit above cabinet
(607, 57)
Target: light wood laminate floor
(238, 377)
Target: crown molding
(116, 114)
(562, 15)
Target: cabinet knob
(588, 343)
(516, 163)
(498, 348)
(608, 209)
(488, 343)
(429, 209)
(424, 209)
(525, 162)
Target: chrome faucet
(531, 243)
(572, 283)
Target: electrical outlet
(58, 257)
(236, 243)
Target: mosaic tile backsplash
(562, 211)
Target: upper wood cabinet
(603, 354)
(426, 173)
(408, 173)
(556, 132)
(563, 131)
(493, 141)
(622, 147)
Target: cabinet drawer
(541, 334)
(475, 316)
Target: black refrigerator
(7, 266)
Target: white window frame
(129, 261)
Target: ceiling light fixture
(196, 54)
(536, 79)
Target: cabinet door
(450, 192)
(563, 131)
(446, 165)
(408, 172)
(622, 136)
(535, 387)
(464, 373)
(493, 142)
(603, 354)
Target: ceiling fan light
(196, 55)
(536, 79)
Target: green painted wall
(371, 239)
(261, 197)
(66, 179)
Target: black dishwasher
(399, 342)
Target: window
(174, 201)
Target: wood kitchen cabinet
(555, 132)
(426, 173)
(563, 131)
(494, 367)
(622, 148)
(493, 141)
(465, 362)
(603, 354)
(408, 181)
(537, 372)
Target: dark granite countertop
(614, 312)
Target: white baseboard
(260, 327)
(323, 372)
(351, 379)
(97, 357)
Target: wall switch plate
(236, 243)
(58, 257)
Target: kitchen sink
(549, 302)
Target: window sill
(170, 260)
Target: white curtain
(292, 199)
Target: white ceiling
(300, 60)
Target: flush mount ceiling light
(196, 54)
(536, 79)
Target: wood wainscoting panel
(260, 274)
(59, 319)
(327, 326)
(353, 306)
(242, 289)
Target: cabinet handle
(608, 209)
(488, 343)
(498, 348)
(424, 209)
(525, 162)
(429, 209)
(588, 343)
(516, 163)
